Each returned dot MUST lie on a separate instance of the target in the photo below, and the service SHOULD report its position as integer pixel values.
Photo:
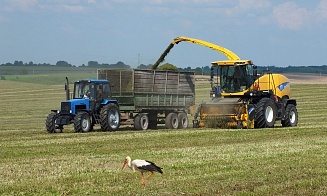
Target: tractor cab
(232, 77)
(92, 92)
(92, 89)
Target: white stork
(142, 166)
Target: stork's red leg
(143, 181)
(150, 175)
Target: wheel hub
(113, 120)
(292, 116)
(269, 114)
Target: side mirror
(212, 73)
(255, 70)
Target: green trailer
(150, 97)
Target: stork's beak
(124, 164)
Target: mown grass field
(279, 161)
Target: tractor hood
(70, 105)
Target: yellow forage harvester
(241, 98)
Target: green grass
(51, 79)
(279, 161)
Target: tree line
(91, 64)
(198, 70)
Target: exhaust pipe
(67, 89)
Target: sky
(268, 32)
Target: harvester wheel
(110, 117)
(182, 120)
(51, 125)
(141, 122)
(83, 122)
(171, 121)
(265, 113)
(291, 116)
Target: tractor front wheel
(110, 117)
(83, 122)
(265, 114)
(50, 123)
(291, 116)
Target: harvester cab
(231, 77)
(91, 104)
(243, 99)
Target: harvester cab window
(235, 78)
(226, 79)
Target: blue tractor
(91, 104)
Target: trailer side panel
(151, 89)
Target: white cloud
(322, 10)
(290, 16)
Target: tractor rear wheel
(110, 117)
(141, 122)
(171, 121)
(83, 122)
(265, 114)
(182, 120)
(50, 123)
(291, 116)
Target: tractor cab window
(83, 90)
(102, 91)
(106, 91)
(235, 78)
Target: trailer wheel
(50, 123)
(171, 121)
(141, 122)
(182, 120)
(291, 116)
(83, 122)
(109, 117)
(265, 115)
